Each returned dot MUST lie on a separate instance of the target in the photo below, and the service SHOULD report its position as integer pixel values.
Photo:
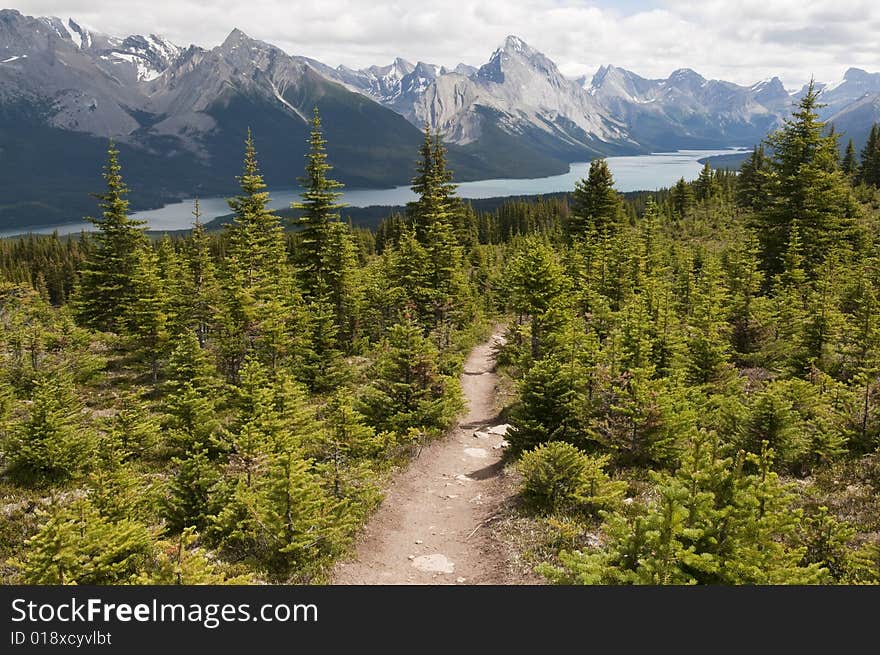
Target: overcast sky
(738, 40)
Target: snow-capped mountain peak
(145, 57)
(69, 30)
(515, 44)
(514, 52)
(685, 77)
(150, 55)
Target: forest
(695, 374)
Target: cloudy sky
(738, 40)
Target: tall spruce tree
(807, 186)
(706, 186)
(433, 217)
(434, 188)
(596, 205)
(869, 171)
(537, 290)
(150, 315)
(752, 180)
(106, 291)
(320, 210)
(261, 313)
(850, 163)
(682, 198)
(200, 283)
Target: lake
(631, 173)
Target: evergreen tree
(773, 422)
(77, 545)
(191, 399)
(256, 430)
(596, 206)
(116, 489)
(50, 443)
(271, 507)
(149, 315)
(407, 390)
(133, 429)
(711, 523)
(682, 197)
(765, 549)
(201, 291)
(172, 273)
(182, 562)
(863, 346)
(708, 344)
(433, 216)
(344, 442)
(792, 307)
(805, 185)
(190, 493)
(320, 210)
(557, 477)
(537, 289)
(751, 183)
(322, 366)
(261, 312)
(548, 408)
(642, 421)
(866, 564)
(343, 291)
(299, 426)
(869, 171)
(7, 402)
(433, 184)
(850, 164)
(106, 285)
(744, 280)
(706, 186)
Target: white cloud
(741, 41)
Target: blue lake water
(631, 173)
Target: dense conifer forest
(696, 374)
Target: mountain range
(180, 114)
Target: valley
(634, 173)
(180, 113)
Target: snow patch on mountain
(287, 104)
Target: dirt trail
(434, 526)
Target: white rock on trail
(436, 563)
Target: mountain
(687, 110)
(519, 106)
(520, 103)
(180, 114)
(852, 104)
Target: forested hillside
(223, 407)
(696, 375)
(698, 390)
